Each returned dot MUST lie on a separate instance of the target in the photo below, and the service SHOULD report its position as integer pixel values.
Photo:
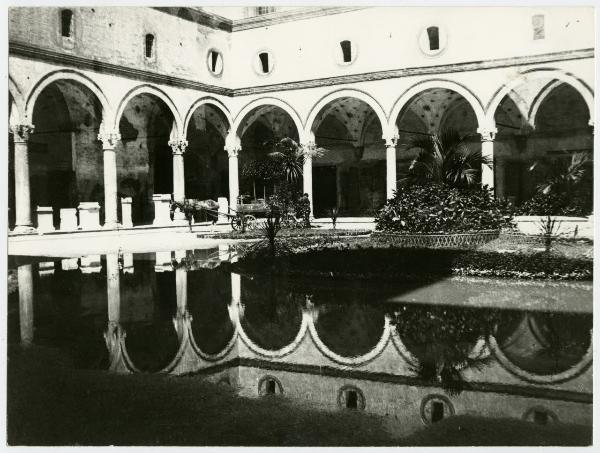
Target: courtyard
(300, 237)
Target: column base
(24, 229)
(111, 226)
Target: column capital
(109, 139)
(178, 146)
(21, 132)
(391, 142)
(233, 151)
(487, 134)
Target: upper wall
(116, 35)
(388, 38)
(383, 38)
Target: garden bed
(367, 259)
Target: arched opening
(260, 130)
(545, 343)
(148, 305)
(211, 326)
(144, 157)
(350, 329)
(272, 314)
(433, 111)
(65, 156)
(543, 121)
(350, 174)
(206, 162)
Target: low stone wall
(582, 227)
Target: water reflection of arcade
(268, 340)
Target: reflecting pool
(414, 353)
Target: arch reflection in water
(320, 332)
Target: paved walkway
(139, 239)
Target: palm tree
(290, 157)
(446, 158)
(562, 177)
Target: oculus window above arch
(433, 40)
(264, 62)
(214, 62)
(345, 52)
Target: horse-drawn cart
(243, 217)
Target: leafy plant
(270, 229)
(566, 190)
(549, 228)
(439, 208)
(445, 159)
(555, 204)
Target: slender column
(178, 146)
(499, 175)
(487, 150)
(181, 289)
(113, 288)
(235, 307)
(21, 133)
(109, 141)
(25, 281)
(390, 160)
(234, 184)
(309, 149)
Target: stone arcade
(115, 111)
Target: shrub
(555, 204)
(438, 208)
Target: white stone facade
(143, 123)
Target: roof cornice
(217, 22)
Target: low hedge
(349, 260)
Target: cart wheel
(236, 223)
(250, 222)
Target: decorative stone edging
(441, 240)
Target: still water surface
(415, 353)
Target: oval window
(346, 52)
(264, 62)
(433, 40)
(214, 61)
